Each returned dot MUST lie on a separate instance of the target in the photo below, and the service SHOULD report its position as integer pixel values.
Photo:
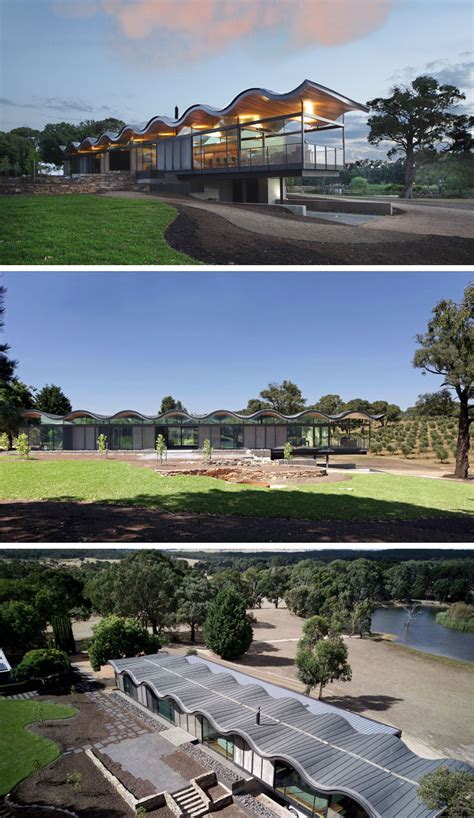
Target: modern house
(320, 761)
(309, 432)
(239, 153)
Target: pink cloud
(193, 29)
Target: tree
(161, 448)
(329, 404)
(59, 593)
(274, 582)
(21, 626)
(52, 399)
(434, 404)
(420, 121)
(227, 630)
(361, 617)
(323, 663)
(15, 396)
(451, 791)
(207, 450)
(447, 349)
(314, 629)
(7, 365)
(142, 586)
(169, 404)
(17, 153)
(392, 413)
(193, 601)
(56, 134)
(42, 664)
(117, 638)
(285, 397)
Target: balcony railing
(318, 157)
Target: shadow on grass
(247, 515)
(359, 704)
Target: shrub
(23, 446)
(42, 664)
(287, 452)
(207, 450)
(191, 652)
(102, 444)
(441, 454)
(115, 638)
(406, 449)
(161, 448)
(376, 447)
(4, 441)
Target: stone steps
(190, 802)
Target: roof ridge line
(290, 726)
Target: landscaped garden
(78, 229)
(423, 438)
(363, 497)
(31, 752)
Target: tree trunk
(320, 690)
(154, 627)
(10, 441)
(193, 632)
(409, 177)
(462, 451)
(276, 602)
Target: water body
(424, 633)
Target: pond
(424, 633)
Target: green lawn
(22, 751)
(86, 229)
(364, 497)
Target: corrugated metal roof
(332, 752)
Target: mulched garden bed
(95, 799)
(48, 522)
(212, 239)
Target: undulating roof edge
(178, 413)
(182, 121)
(379, 771)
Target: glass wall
(231, 437)
(130, 687)
(272, 142)
(290, 785)
(146, 158)
(162, 707)
(224, 745)
(119, 159)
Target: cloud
(171, 31)
(56, 104)
(445, 71)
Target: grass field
(86, 229)
(364, 497)
(21, 751)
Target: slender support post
(343, 144)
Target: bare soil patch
(212, 239)
(48, 522)
(253, 473)
(95, 799)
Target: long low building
(322, 761)
(309, 431)
(241, 153)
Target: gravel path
(256, 221)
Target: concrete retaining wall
(363, 207)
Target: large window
(146, 158)
(290, 784)
(300, 436)
(120, 437)
(272, 142)
(130, 687)
(162, 707)
(224, 745)
(231, 437)
(215, 150)
(119, 159)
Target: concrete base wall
(343, 205)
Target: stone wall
(56, 185)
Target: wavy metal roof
(359, 415)
(328, 105)
(377, 769)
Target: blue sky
(213, 340)
(88, 59)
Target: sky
(70, 60)
(213, 340)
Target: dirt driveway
(429, 699)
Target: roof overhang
(250, 105)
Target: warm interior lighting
(308, 107)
